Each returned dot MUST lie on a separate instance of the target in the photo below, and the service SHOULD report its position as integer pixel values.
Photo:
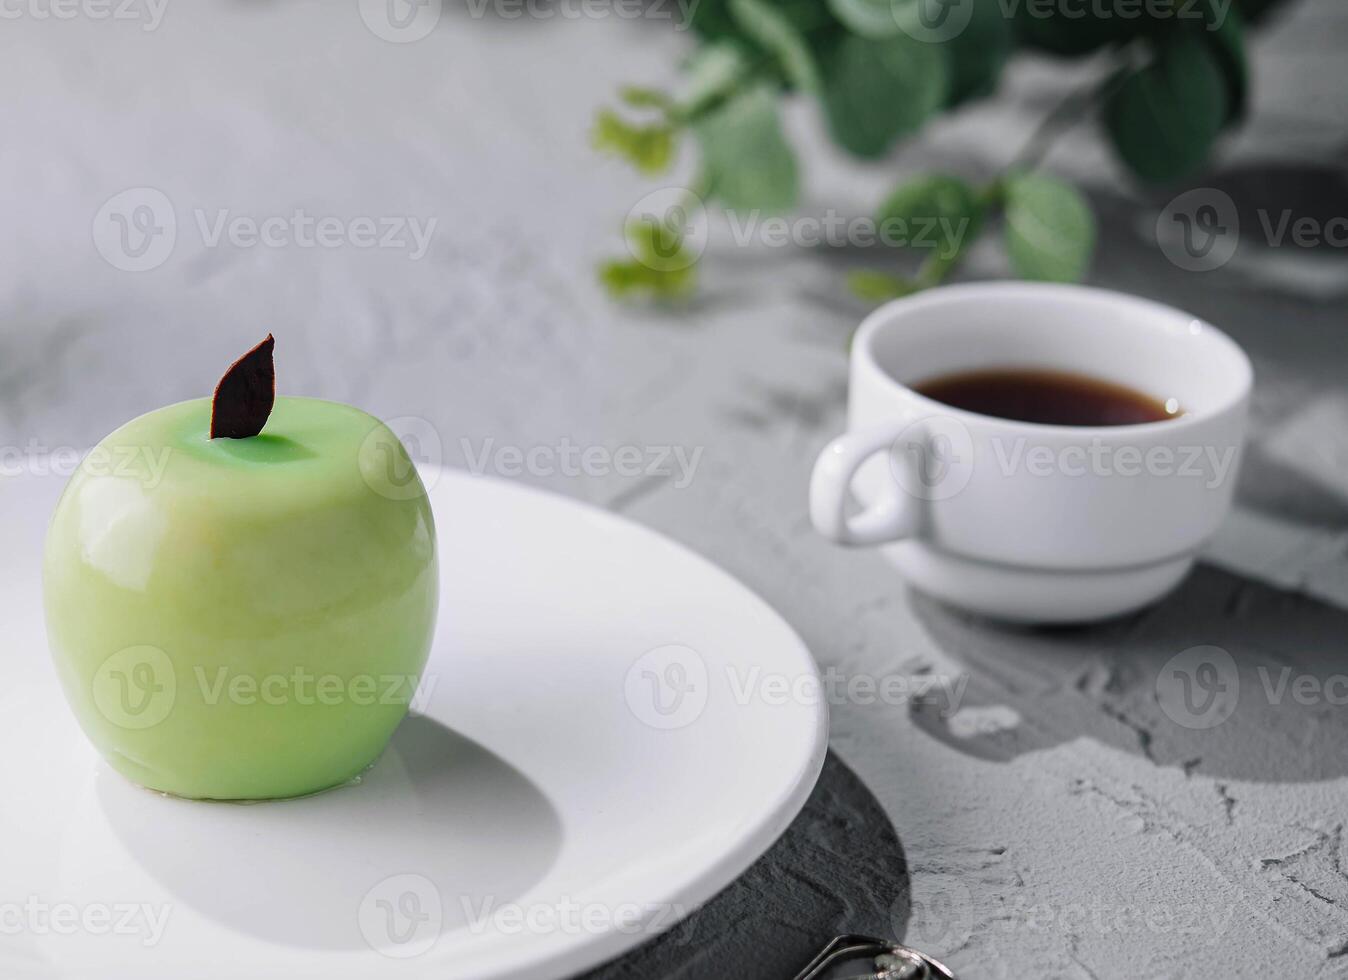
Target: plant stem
(1071, 110)
(750, 73)
(1066, 114)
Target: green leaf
(714, 20)
(623, 278)
(710, 75)
(978, 53)
(1074, 29)
(776, 34)
(1225, 33)
(661, 264)
(648, 148)
(977, 49)
(869, 18)
(875, 286)
(933, 212)
(711, 20)
(878, 90)
(1164, 118)
(1050, 231)
(646, 98)
(1254, 10)
(747, 161)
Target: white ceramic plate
(605, 746)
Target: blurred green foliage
(880, 69)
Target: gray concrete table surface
(1053, 819)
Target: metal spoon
(880, 959)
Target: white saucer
(605, 747)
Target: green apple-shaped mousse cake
(241, 591)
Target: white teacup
(1024, 521)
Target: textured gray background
(1058, 821)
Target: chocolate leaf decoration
(245, 395)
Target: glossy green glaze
(242, 619)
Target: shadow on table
(1226, 677)
(436, 802)
(839, 868)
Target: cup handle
(890, 518)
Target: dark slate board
(839, 868)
